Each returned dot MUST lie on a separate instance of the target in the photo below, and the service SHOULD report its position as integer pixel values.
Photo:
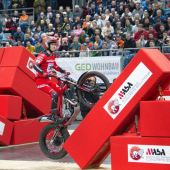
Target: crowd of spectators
(102, 26)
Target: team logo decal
(136, 153)
(114, 106)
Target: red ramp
(89, 144)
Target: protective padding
(18, 57)
(10, 107)
(16, 82)
(89, 144)
(155, 118)
(140, 153)
(6, 128)
(26, 131)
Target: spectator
(141, 42)
(98, 41)
(105, 51)
(95, 52)
(159, 17)
(166, 48)
(19, 35)
(14, 4)
(38, 48)
(64, 44)
(15, 17)
(82, 37)
(10, 26)
(89, 30)
(84, 52)
(135, 26)
(138, 9)
(75, 46)
(129, 41)
(167, 25)
(39, 5)
(30, 47)
(107, 28)
(41, 17)
(68, 29)
(1, 5)
(78, 30)
(24, 21)
(161, 30)
(128, 27)
(69, 12)
(28, 38)
(152, 44)
(98, 21)
(140, 31)
(77, 11)
(119, 41)
(22, 4)
(38, 30)
(151, 38)
(153, 31)
(50, 30)
(87, 20)
(89, 43)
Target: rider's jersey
(46, 64)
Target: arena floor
(29, 157)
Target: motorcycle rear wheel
(88, 99)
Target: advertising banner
(110, 66)
(149, 154)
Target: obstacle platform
(21, 101)
(89, 145)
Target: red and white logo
(136, 153)
(113, 106)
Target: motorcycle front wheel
(51, 141)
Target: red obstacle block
(11, 107)
(1, 53)
(13, 80)
(140, 153)
(89, 144)
(18, 57)
(155, 116)
(6, 128)
(26, 131)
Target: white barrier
(110, 66)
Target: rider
(44, 64)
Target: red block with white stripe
(18, 57)
(89, 144)
(140, 153)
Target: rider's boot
(52, 117)
(54, 113)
